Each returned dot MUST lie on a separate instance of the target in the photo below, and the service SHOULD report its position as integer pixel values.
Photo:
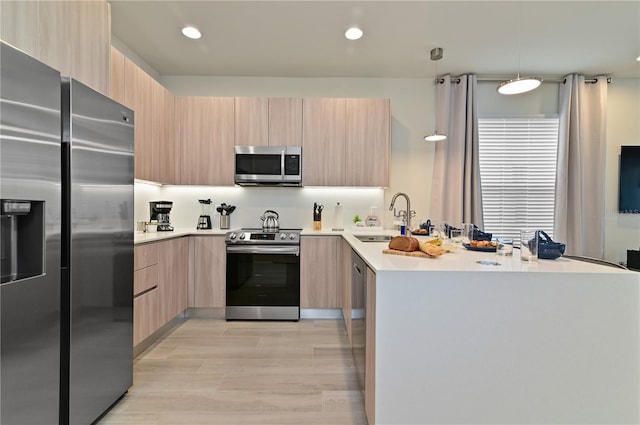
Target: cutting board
(405, 253)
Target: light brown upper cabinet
(138, 95)
(73, 37)
(156, 153)
(19, 25)
(367, 142)
(252, 121)
(205, 133)
(323, 138)
(285, 121)
(346, 142)
(262, 121)
(165, 152)
(117, 75)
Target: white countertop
(146, 237)
(460, 260)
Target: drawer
(144, 279)
(145, 256)
(146, 315)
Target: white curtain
(456, 195)
(579, 204)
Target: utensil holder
(225, 221)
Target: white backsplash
(294, 205)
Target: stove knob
(292, 236)
(242, 236)
(283, 236)
(232, 236)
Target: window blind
(517, 171)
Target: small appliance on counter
(159, 211)
(204, 221)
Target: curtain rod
(456, 80)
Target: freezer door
(99, 133)
(30, 285)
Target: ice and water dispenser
(21, 239)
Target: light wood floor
(255, 373)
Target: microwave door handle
(282, 155)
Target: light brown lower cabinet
(370, 356)
(146, 312)
(146, 315)
(345, 271)
(320, 283)
(208, 272)
(160, 285)
(173, 260)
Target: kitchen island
(458, 342)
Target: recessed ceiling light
(353, 33)
(638, 58)
(191, 32)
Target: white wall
(294, 205)
(412, 109)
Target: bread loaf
(404, 243)
(431, 249)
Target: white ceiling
(305, 38)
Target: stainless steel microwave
(268, 165)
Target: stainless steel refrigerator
(66, 193)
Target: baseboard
(164, 330)
(321, 313)
(205, 313)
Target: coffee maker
(159, 210)
(204, 221)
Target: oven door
(263, 282)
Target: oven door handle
(294, 250)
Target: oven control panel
(249, 237)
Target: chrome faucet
(406, 197)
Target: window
(518, 171)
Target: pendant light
(519, 84)
(436, 55)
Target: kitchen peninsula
(551, 342)
(556, 341)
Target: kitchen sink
(373, 238)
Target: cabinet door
(252, 121)
(138, 95)
(19, 25)
(164, 149)
(285, 121)
(319, 283)
(209, 286)
(205, 130)
(173, 258)
(367, 142)
(323, 139)
(117, 76)
(75, 38)
(146, 315)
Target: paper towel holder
(338, 223)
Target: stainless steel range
(263, 274)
